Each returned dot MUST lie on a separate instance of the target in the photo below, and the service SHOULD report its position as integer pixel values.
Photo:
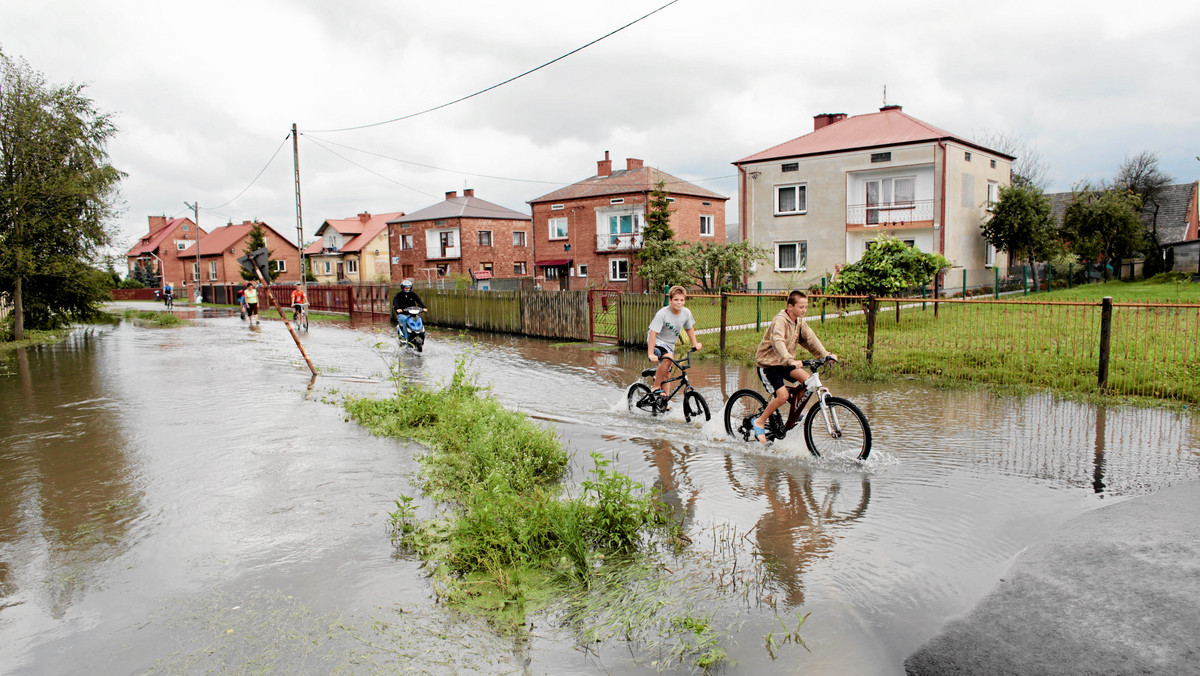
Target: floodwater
(187, 501)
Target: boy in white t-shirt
(665, 328)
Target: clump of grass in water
(158, 319)
(511, 538)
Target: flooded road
(180, 501)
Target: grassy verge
(34, 338)
(162, 320)
(510, 537)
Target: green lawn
(1150, 292)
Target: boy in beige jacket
(776, 355)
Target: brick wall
(501, 254)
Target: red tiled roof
(627, 181)
(888, 127)
(220, 240)
(364, 229)
(464, 206)
(152, 241)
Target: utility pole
(195, 207)
(299, 220)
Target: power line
(367, 169)
(501, 84)
(260, 173)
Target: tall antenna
(885, 94)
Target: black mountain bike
(833, 426)
(641, 400)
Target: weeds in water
(697, 641)
(402, 522)
(793, 636)
(150, 317)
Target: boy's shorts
(773, 376)
(659, 351)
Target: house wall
(966, 203)
(229, 269)
(374, 267)
(587, 222)
(501, 254)
(172, 269)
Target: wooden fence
(545, 314)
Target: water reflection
(66, 495)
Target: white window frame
(554, 229)
(710, 221)
(617, 200)
(406, 242)
(801, 204)
(519, 268)
(195, 272)
(518, 238)
(989, 255)
(279, 265)
(212, 270)
(352, 266)
(993, 194)
(328, 267)
(583, 269)
(557, 207)
(801, 265)
(181, 244)
(614, 269)
(489, 238)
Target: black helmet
(406, 284)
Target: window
(557, 207)
(328, 268)
(791, 199)
(993, 164)
(196, 271)
(706, 204)
(558, 228)
(583, 270)
(406, 242)
(910, 243)
(967, 157)
(519, 268)
(485, 266)
(485, 238)
(519, 238)
(791, 166)
(185, 227)
(886, 194)
(352, 265)
(881, 157)
(989, 255)
(445, 244)
(181, 244)
(406, 270)
(442, 269)
(212, 269)
(551, 273)
(993, 194)
(618, 200)
(279, 266)
(618, 270)
(791, 256)
(706, 225)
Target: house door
(341, 272)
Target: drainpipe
(942, 223)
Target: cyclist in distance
(298, 301)
(665, 327)
(776, 355)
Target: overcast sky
(205, 92)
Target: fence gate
(604, 307)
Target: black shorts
(773, 376)
(252, 308)
(659, 351)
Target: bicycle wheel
(304, 321)
(743, 407)
(694, 406)
(639, 401)
(845, 433)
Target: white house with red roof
(159, 249)
(352, 249)
(819, 200)
(221, 248)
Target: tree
(1142, 176)
(1103, 222)
(715, 267)
(258, 239)
(1020, 224)
(888, 266)
(1029, 169)
(57, 190)
(661, 256)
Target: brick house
(460, 235)
(221, 248)
(588, 233)
(159, 250)
(352, 250)
(820, 199)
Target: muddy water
(181, 501)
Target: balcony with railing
(626, 241)
(908, 214)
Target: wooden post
(724, 312)
(936, 292)
(996, 287)
(758, 309)
(286, 322)
(1106, 306)
(871, 307)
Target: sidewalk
(1113, 591)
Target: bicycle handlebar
(813, 364)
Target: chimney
(887, 108)
(631, 164)
(451, 194)
(604, 166)
(468, 192)
(364, 216)
(157, 222)
(825, 119)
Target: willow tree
(57, 190)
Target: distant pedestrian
(251, 295)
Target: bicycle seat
(646, 373)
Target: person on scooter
(405, 298)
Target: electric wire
(499, 84)
(260, 173)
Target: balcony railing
(621, 242)
(892, 214)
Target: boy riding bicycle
(298, 301)
(775, 356)
(668, 323)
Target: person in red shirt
(298, 301)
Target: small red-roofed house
(160, 248)
(460, 236)
(353, 250)
(221, 248)
(588, 234)
(819, 200)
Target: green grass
(160, 320)
(1151, 291)
(34, 338)
(511, 537)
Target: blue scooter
(409, 327)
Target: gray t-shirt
(669, 325)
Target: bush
(131, 283)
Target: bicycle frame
(798, 396)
